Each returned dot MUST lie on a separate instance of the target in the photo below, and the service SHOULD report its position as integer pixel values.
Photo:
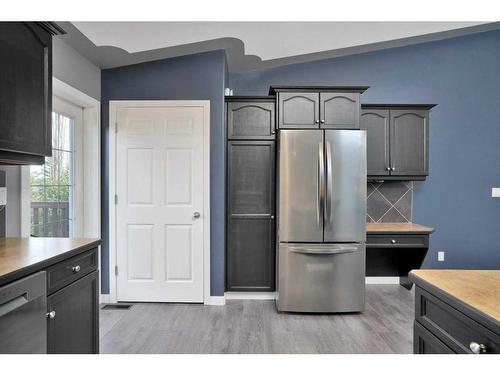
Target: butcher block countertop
(396, 228)
(477, 289)
(22, 256)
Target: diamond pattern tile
(377, 205)
(389, 202)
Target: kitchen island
(456, 311)
(67, 269)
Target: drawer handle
(51, 315)
(477, 348)
(76, 269)
(393, 241)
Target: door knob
(51, 315)
(196, 215)
(477, 348)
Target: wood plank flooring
(250, 326)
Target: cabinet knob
(393, 169)
(477, 348)
(322, 121)
(316, 121)
(393, 241)
(388, 168)
(51, 315)
(75, 269)
(272, 217)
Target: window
(52, 184)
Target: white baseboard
(104, 298)
(382, 280)
(215, 301)
(251, 295)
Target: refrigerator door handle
(329, 182)
(317, 251)
(321, 183)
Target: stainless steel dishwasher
(23, 322)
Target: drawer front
(425, 342)
(451, 326)
(413, 240)
(69, 270)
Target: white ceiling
(267, 40)
(252, 45)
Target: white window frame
(87, 164)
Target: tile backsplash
(389, 202)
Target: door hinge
(116, 270)
(116, 199)
(116, 127)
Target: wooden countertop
(22, 256)
(476, 288)
(395, 228)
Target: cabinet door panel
(250, 120)
(75, 327)
(298, 110)
(251, 178)
(339, 110)
(409, 140)
(376, 124)
(250, 255)
(424, 342)
(25, 88)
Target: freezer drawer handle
(308, 250)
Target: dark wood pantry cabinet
(397, 140)
(325, 107)
(26, 91)
(251, 194)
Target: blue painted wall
(462, 75)
(195, 77)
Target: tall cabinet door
(376, 124)
(251, 202)
(409, 139)
(339, 110)
(298, 110)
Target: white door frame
(114, 105)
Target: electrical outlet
(440, 256)
(3, 196)
(495, 192)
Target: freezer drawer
(321, 277)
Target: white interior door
(159, 184)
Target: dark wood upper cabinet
(339, 110)
(409, 142)
(248, 118)
(26, 91)
(376, 124)
(397, 140)
(311, 107)
(298, 110)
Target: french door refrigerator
(321, 220)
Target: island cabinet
(318, 107)
(71, 292)
(26, 91)
(456, 311)
(250, 250)
(397, 140)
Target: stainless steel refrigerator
(321, 220)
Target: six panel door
(160, 204)
(339, 110)
(409, 138)
(376, 124)
(250, 120)
(298, 110)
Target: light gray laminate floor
(255, 327)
